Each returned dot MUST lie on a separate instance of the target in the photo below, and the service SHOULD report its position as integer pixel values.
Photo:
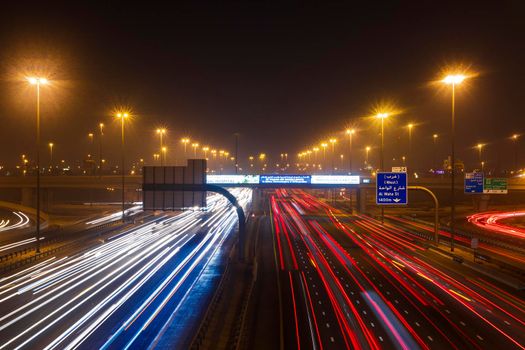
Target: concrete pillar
(481, 202)
(361, 199)
(46, 197)
(27, 196)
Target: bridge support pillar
(481, 202)
(361, 199)
(27, 197)
(47, 199)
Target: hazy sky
(283, 76)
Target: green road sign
(495, 185)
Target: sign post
(391, 188)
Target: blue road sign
(474, 182)
(391, 189)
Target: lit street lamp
(101, 129)
(51, 155)
(161, 132)
(185, 142)
(205, 149)
(123, 116)
(434, 139)
(350, 133)
(91, 137)
(382, 116)
(409, 153)
(195, 146)
(453, 80)
(163, 154)
(37, 81)
(367, 149)
(515, 139)
(479, 146)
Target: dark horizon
(282, 76)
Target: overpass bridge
(364, 186)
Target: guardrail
(37, 256)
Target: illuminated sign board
(335, 179)
(473, 182)
(391, 188)
(285, 179)
(232, 179)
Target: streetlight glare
(37, 80)
(382, 115)
(454, 79)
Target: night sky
(283, 76)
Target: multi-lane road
(126, 292)
(351, 282)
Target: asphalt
(349, 281)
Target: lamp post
(123, 116)
(515, 138)
(195, 146)
(434, 139)
(164, 151)
(409, 153)
(479, 146)
(37, 81)
(101, 130)
(350, 133)
(453, 80)
(382, 116)
(367, 149)
(185, 142)
(332, 142)
(236, 152)
(205, 149)
(91, 137)
(51, 156)
(161, 132)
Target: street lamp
(185, 142)
(367, 149)
(350, 133)
(514, 139)
(382, 116)
(91, 137)
(101, 129)
(324, 145)
(453, 80)
(205, 149)
(410, 126)
(122, 116)
(164, 149)
(161, 132)
(434, 139)
(195, 146)
(37, 81)
(479, 146)
(51, 155)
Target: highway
(126, 292)
(491, 221)
(349, 282)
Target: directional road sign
(474, 182)
(495, 185)
(391, 188)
